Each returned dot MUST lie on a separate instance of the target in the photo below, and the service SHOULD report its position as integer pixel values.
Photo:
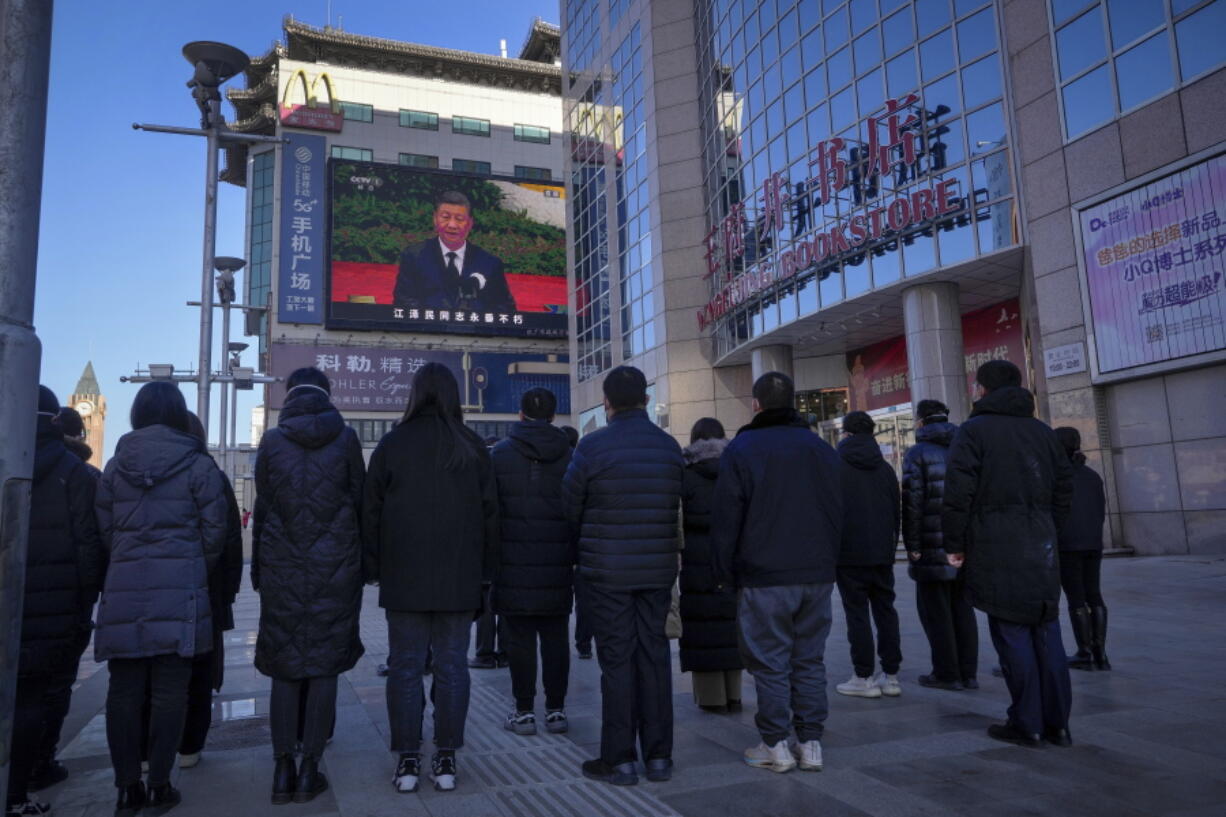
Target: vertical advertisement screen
(437, 252)
(1154, 261)
(304, 216)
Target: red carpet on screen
(533, 293)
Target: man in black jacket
(622, 493)
(866, 559)
(775, 534)
(532, 593)
(1007, 490)
(64, 568)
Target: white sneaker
(808, 755)
(777, 758)
(859, 687)
(408, 769)
(188, 761)
(442, 772)
(889, 685)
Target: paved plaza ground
(1150, 736)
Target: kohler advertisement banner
(1154, 260)
(371, 378)
(304, 220)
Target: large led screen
(438, 252)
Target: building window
(355, 154)
(357, 112)
(532, 133)
(470, 126)
(1114, 56)
(418, 160)
(418, 119)
(470, 166)
(259, 248)
(370, 432)
(536, 174)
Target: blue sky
(122, 217)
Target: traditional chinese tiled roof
(543, 43)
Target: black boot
(1098, 647)
(311, 781)
(131, 799)
(162, 798)
(283, 780)
(1084, 635)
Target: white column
(933, 324)
(777, 358)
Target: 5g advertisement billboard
(427, 251)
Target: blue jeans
(1036, 671)
(411, 638)
(782, 635)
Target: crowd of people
(753, 532)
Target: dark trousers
(491, 634)
(865, 589)
(199, 705)
(164, 679)
(636, 685)
(412, 637)
(522, 633)
(31, 717)
(1036, 671)
(583, 618)
(1080, 571)
(306, 706)
(57, 700)
(782, 632)
(949, 622)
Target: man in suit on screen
(449, 272)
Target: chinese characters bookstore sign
(1154, 263)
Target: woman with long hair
(430, 524)
(163, 514)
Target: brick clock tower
(91, 405)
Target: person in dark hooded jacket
(940, 590)
(708, 643)
(162, 511)
(532, 594)
(1007, 489)
(306, 563)
(64, 565)
(866, 559)
(1081, 558)
(70, 423)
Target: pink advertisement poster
(1155, 259)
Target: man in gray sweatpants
(776, 532)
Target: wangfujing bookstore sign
(894, 150)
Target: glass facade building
(877, 196)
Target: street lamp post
(25, 55)
(226, 267)
(236, 349)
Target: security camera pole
(214, 64)
(25, 53)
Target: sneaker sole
(401, 789)
(809, 767)
(556, 728)
(440, 785)
(774, 767)
(891, 694)
(521, 729)
(860, 694)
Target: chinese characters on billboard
(369, 378)
(426, 251)
(300, 283)
(878, 375)
(1154, 261)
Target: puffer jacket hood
(539, 441)
(702, 452)
(154, 454)
(309, 419)
(861, 451)
(937, 433)
(1013, 401)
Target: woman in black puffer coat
(708, 616)
(940, 594)
(1081, 558)
(306, 563)
(161, 509)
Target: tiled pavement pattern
(1151, 735)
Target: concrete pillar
(777, 358)
(933, 325)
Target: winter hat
(1070, 438)
(933, 410)
(48, 403)
(70, 422)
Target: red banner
(878, 376)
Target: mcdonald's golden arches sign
(305, 109)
